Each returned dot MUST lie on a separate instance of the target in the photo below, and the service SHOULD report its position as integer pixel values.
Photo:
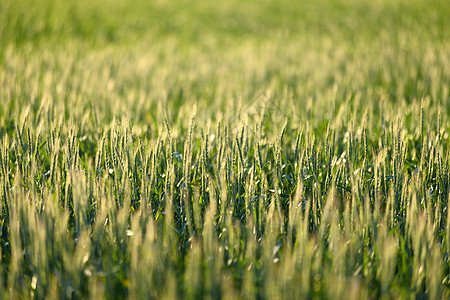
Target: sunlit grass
(222, 150)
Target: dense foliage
(251, 149)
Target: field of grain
(235, 149)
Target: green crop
(235, 149)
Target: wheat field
(225, 150)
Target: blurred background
(141, 59)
